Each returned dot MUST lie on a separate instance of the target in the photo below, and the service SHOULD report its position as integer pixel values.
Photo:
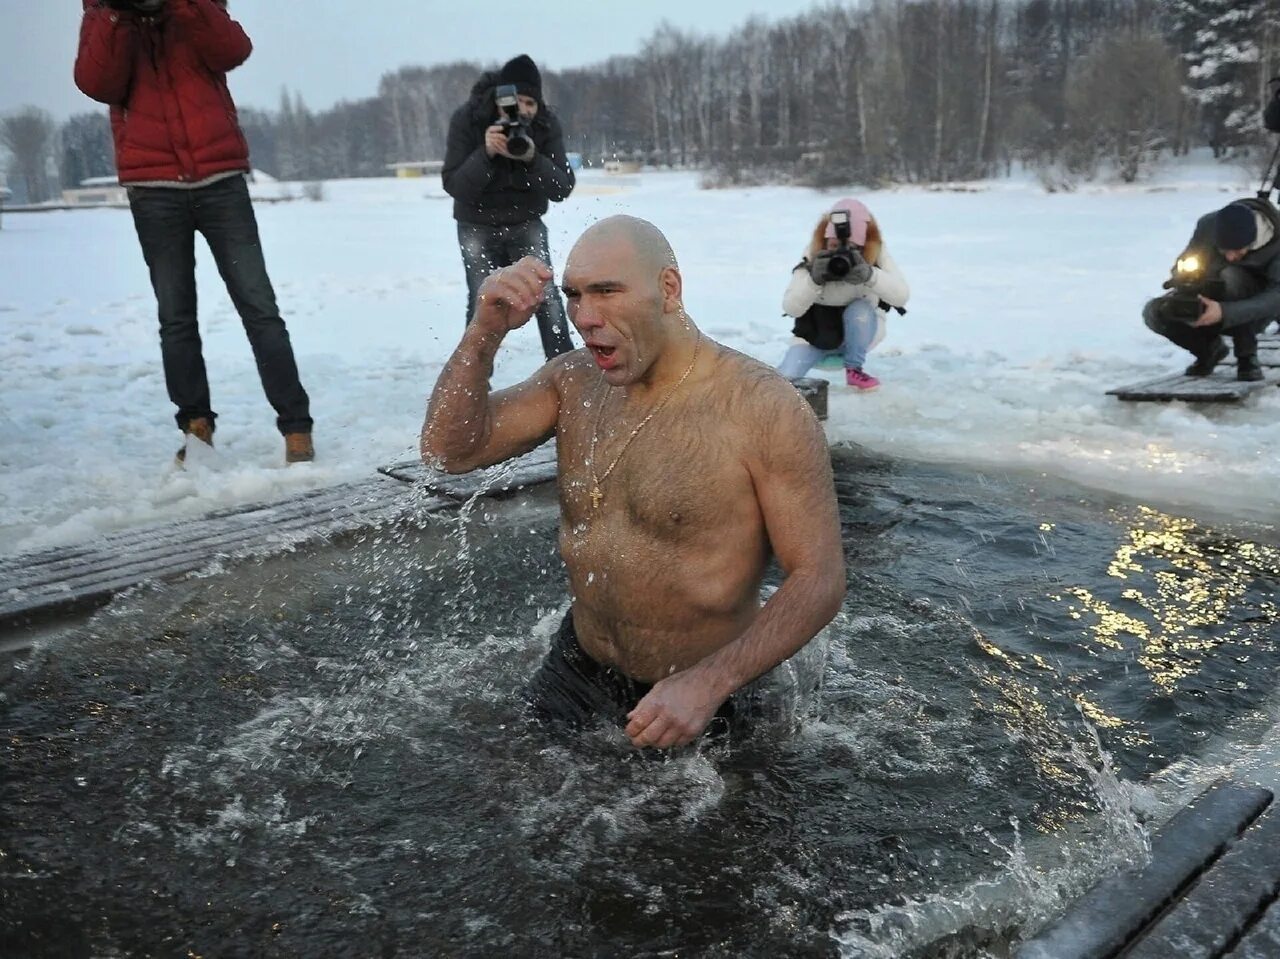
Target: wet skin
(706, 463)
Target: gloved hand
(860, 272)
(818, 268)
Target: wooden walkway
(1221, 387)
(37, 586)
(1209, 890)
(41, 585)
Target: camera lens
(518, 143)
(839, 266)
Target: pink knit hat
(859, 217)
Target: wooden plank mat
(35, 586)
(1211, 873)
(536, 466)
(1269, 349)
(1225, 902)
(1221, 387)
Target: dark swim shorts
(572, 689)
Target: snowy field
(1024, 311)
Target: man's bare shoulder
(571, 373)
(758, 388)
(776, 425)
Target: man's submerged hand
(674, 712)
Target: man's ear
(672, 285)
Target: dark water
(322, 755)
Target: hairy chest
(673, 479)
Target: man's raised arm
(467, 426)
(104, 63)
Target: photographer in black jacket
(501, 183)
(1233, 272)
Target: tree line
(875, 92)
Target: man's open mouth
(603, 355)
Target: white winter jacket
(886, 284)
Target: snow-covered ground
(1024, 312)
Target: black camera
(519, 142)
(843, 258)
(1194, 274)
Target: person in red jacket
(161, 66)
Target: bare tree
(869, 91)
(1122, 97)
(29, 136)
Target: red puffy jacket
(164, 77)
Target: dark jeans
(488, 248)
(167, 220)
(1201, 341)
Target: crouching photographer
(1225, 283)
(504, 163)
(839, 294)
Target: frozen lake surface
(1024, 311)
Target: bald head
(644, 240)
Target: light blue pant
(861, 327)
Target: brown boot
(298, 448)
(201, 428)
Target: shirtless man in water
(683, 466)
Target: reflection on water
(323, 755)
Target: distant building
(615, 167)
(416, 168)
(97, 191)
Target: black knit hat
(1234, 228)
(523, 72)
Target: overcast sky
(329, 50)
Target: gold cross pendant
(596, 497)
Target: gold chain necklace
(596, 494)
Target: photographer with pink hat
(840, 292)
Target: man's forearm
(457, 422)
(555, 176)
(466, 181)
(104, 64)
(804, 603)
(219, 40)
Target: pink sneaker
(860, 380)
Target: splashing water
(324, 751)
